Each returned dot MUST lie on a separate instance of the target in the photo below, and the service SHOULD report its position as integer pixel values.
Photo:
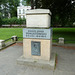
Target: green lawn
(6, 33)
(67, 33)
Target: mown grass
(67, 33)
(6, 33)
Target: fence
(13, 39)
(53, 40)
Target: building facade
(21, 11)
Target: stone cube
(38, 18)
(61, 40)
(2, 43)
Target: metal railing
(21, 39)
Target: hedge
(13, 20)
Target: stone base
(38, 63)
(28, 70)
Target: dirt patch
(18, 44)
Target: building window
(19, 11)
(23, 11)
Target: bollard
(61, 40)
(14, 38)
(2, 43)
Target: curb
(7, 45)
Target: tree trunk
(32, 4)
(35, 4)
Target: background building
(21, 11)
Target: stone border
(7, 45)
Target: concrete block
(45, 49)
(61, 40)
(2, 43)
(14, 38)
(38, 63)
(38, 18)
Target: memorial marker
(37, 41)
(37, 33)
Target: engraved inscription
(34, 33)
(35, 48)
(37, 33)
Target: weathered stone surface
(61, 40)
(14, 38)
(39, 11)
(37, 33)
(38, 18)
(2, 43)
(38, 63)
(45, 47)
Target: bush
(5, 21)
(13, 20)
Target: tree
(13, 7)
(9, 6)
(30, 2)
(63, 11)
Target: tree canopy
(63, 11)
(9, 6)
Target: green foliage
(6, 33)
(66, 33)
(0, 19)
(9, 6)
(13, 7)
(13, 20)
(63, 11)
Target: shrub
(5, 21)
(13, 20)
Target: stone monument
(37, 40)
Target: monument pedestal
(38, 63)
(37, 49)
(37, 43)
(37, 46)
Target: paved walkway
(9, 66)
